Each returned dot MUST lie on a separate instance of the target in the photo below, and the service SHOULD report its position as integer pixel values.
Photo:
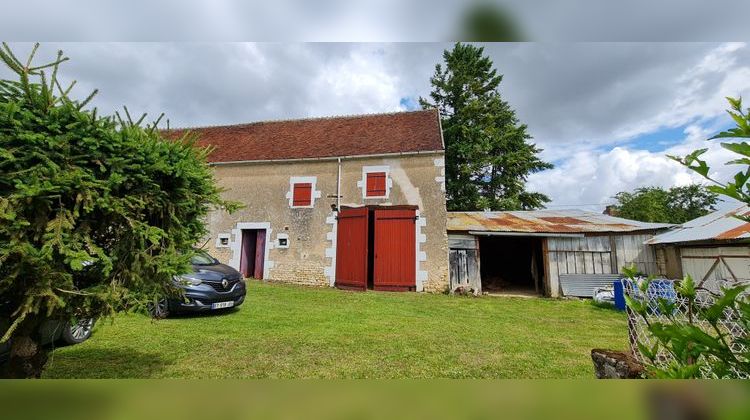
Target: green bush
(690, 336)
(98, 213)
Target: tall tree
(98, 213)
(659, 205)
(488, 153)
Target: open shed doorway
(252, 256)
(511, 265)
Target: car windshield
(202, 258)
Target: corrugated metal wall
(594, 255)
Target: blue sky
(659, 140)
(667, 137)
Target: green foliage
(98, 213)
(674, 205)
(490, 22)
(693, 340)
(699, 341)
(488, 153)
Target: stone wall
(264, 188)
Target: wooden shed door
(395, 250)
(351, 249)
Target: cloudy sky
(606, 114)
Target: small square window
(282, 240)
(376, 182)
(302, 195)
(222, 240)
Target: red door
(260, 253)
(351, 249)
(395, 250)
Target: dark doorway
(252, 253)
(511, 264)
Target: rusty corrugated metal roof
(544, 221)
(721, 225)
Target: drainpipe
(338, 188)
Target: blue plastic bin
(658, 288)
(619, 295)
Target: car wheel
(160, 310)
(79, 331)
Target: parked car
(53, 331)
(210, 286)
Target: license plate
(222, 305)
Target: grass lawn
(295, 332)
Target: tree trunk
(27, 355)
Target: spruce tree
(488, 151)
(97, 213)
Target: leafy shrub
(697, 334)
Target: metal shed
(546, 252)
(711, 249)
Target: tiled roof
(415, 131)
(545, 221)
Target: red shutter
(302, 195)
(376, 184)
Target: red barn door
(395, 250)
(351, 249)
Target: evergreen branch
(155, 124)
(16, 62)
(140, 120)
(33, 70)
(31, 56)
(8, 60)
(48, 98)
(64, 93)
(127, 114)
(74, 292)
(88, 99)
(53, 78)
(119, 119)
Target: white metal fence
(638, 328)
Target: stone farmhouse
(355, 202)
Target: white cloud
(582, 102)
(589, 179)
(590, 176)
(358, 83)
(699, 93)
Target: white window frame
(388, 182)
(227, 236)
(314, 193)
(280, 236)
